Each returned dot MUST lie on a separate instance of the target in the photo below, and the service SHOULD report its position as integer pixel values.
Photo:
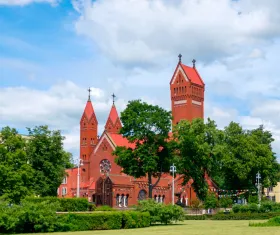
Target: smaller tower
(113, 124)
(88, 136)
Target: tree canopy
(147, 126)
(247, 152)
(33, 166)
(199, 151)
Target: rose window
(105, 166)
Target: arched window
(155, 198)
(119, 200)
(142, 195)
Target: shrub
(28, 217)
(160, 212)
(94, 221)
(253, 199)
(102, 220)
(225, 202)
(244, 216)
(236, 208)
(253, 208)
(134, 219)
(33, 217)
(195, 217)
(211, 201)
(244, 209)
(65, 204)
(104, 208)
(275, 221)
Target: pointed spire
(113, 123)
(113, 98)
(113, 114)
(89, 90)
(180, 57)
(193, 61)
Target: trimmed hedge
(244, 216)
(272, 222)
(102, 221)
(38, 217)
(253, 207)
(233, 216)
(65, 204)
(161, 213)
(196, 217)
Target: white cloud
(60, 107)
(26, 2)
(142, 33)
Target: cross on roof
(180, 57)
(113, 98)
(89, 90)
(193, 61)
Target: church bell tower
(187, 93)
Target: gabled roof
(192, 74)
(113, 114)
(120, 179)
(119, 140)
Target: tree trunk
(150, 185)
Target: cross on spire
(89, 90)
(180, 57)
(113, 98)
(193, 61)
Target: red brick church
(102, 180)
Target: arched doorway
(104, 192)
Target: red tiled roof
(89, 110)
(113, 114)
(119, 140)
(120, 179)
(193, 75)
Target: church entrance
(104, 192)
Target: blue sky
(51, 51)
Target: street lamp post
(173, 170)
(80, 163)
(258, 184)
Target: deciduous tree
(147, 126)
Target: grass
(191, 227)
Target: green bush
(28, 217)
(225, 202)
(253, 208)
(275, 221)
(65, 204)
(236, 208)
(94, 221)
(102, 221)
(104, 208)
(253, 199)
(211, 201)
(244, 216)
(266, 206)
(160, 212)
(134, 219)
(195, 217)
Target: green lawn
(208, 227)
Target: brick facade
(101, 180)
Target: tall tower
(88, 137)
(187, 93)
(113, 124)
